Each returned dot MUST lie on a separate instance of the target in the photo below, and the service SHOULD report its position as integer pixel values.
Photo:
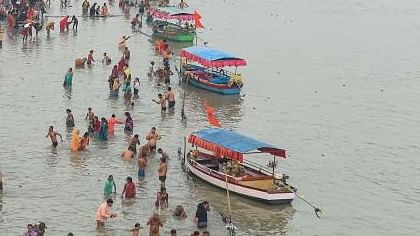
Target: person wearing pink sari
(64, 23)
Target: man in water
(1, 182)
(126, 54)
(142, 163)
(170, 96)
(163, 154)
(154, 223)
(152, 137)
(69, 119)
(102, 214)
(182, 4)
(201, 214)
(90, 57)
(129, 153)
(53, 135)
(89, 115)
(133, 142)
(163, 169)
(106, 60)
(75, 22)
(162, 101)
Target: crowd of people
(27, 15)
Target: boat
(217, 157)
(181, 31)
(205, 68)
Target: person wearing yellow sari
(75, 140)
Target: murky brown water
(324, 77)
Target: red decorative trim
(216, 63)
(219, 151)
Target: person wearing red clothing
(129, 189)
(111, 123)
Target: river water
(336, 83)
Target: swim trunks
(141, 173)
(54, 144)
(163, 108)
(171, 104)
(162, 178)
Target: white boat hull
(214, 178)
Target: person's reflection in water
(67, 91)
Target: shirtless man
(142, 163)
(133, 142)
(89, 115)
(170, 97)
(154, 223)
(128, 154)
(69, 119)
(163, 169)
(162, 101)
(53, 135)
(163, 154)
(152, 137)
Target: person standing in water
(129, 190)
(129, 125)
(102, 214)
(154, 223)
(68, 78)
(53, 135)
(89, 115)
(69, 119)
(103, 133)
(75, 140)
(162, 101)
(136, 86)
(109, 185)
(75, 22)
(85, 142)
(106, 60)
(163, 154)
(126, 54)
(152, 137)
(134, 141)
(92, 10)
(128, 154)
(201, 214)
(142, 163)
(111, 123)
(1, 182)
(170, 97)
(90, 58)
(162, 171)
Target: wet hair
(51, 127)
(127, 47)
(89, 108)
(137, 225)
(129, 179)
(154, 128)
(169, 88)
(113, 115)
(103, 119)
(173, 231)
(159, 95)
(163, 189)
(104, 53)
(127, 114)
(131, 148)
(68, 110)
(91, 51)
(159, 150)
(109, 201)
(206, 232)
(137, 15)
(136, 136)
(70, 234)
(152, 63)
(86, 134)
(163, 159)
(196, 233)
(110, 176)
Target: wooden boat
(218, 158)
(171, 31)
(163, 28)
(204, 67)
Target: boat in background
(218, 158)
(205, 68)
(180, 30)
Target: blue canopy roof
(211, 57)
(236, 142)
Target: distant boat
(204, 67)
(217, 158)
(181, 31)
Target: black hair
(169, 88)
(109, 201)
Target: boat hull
(178, 37)
(212, 177)
(223, 89)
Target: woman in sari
(103, 133)
(75, 140)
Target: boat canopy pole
(316, 209)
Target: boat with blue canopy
(205, 68)
(218, 156)
(173, 23)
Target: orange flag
(197, 20)
(210, 115)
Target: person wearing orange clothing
(102, 214)
(111, 123)
(75, 140)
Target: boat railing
(260, 168)
(230, 177)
